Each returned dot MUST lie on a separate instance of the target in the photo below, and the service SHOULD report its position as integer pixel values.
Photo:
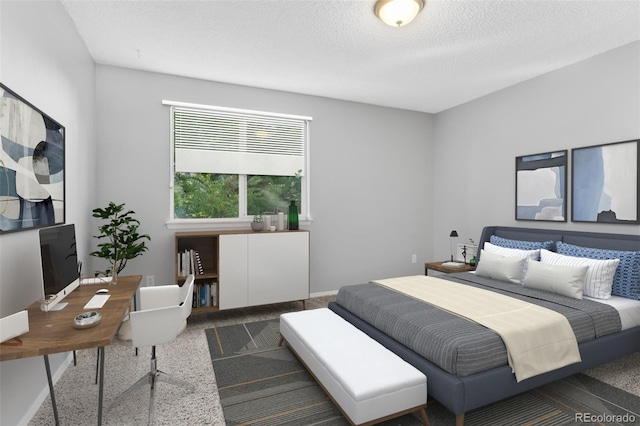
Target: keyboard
(97, 301)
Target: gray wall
(370, 172)
(44, 60)
(592, 102)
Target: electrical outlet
(414, 258)
(151, 281)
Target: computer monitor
(60, 272)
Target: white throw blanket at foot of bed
(537, 339)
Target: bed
(460, 386)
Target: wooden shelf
(438, 266)
(211, 276)
(205, 310)
(245, 268)
(205, 244)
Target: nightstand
(438, 266)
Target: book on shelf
(189, 262)
(198, 262)
(453, 264)
(204, 289)
(205, 294)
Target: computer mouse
(102, 290)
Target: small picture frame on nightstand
(466, 252)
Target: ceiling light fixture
(398, 13)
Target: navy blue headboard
(579, 238)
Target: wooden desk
(438, 266)
(53, 332)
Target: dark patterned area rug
(261, 383)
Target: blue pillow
(626, 281)
(521, 245)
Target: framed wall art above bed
(32, 163)
(605, 183)
(541, 187)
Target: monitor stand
(57, 307)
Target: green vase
(293, 216)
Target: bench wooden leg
(423, 416)
(281, 340)
(460, 419)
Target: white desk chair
(186, 300)
(162, 316)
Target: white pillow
(565, 280)
(500, 267)
(599, 278)
(510, 252)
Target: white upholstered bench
(368, 382)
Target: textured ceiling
(453, 52)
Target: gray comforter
(455, 344)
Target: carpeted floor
(188, 358)
(261, 383)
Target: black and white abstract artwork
(32, 162)
(541, 187)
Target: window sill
(218, 224)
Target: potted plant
(257, 224)
(473, 260)
(119, 239)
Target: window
(229, 164)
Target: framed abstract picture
(606, 183)
(32, 162)
(541, 187)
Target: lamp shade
(397, 13)
(453, 233)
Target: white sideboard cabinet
(245, 268)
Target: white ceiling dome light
(397, 13)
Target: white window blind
(224, 141)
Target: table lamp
(452, 235)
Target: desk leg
(53, 395)
(134, 308)
(101, 388)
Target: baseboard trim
(324, 293)
(42, 396)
